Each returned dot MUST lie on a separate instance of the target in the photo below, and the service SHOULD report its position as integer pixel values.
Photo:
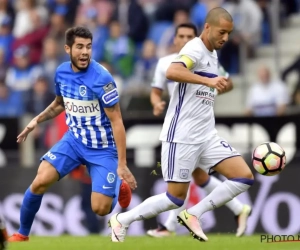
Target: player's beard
(75, 64)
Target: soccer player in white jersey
(189, 138)
(183, 34)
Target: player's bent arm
(155, 96)
(53, 110)
(177, 72)
(114, 115)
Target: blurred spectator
(119, 51)
(22, 75)
(69, 7)
(7, 10)
(24, 24)
(6, 38)
(3, 65)
(248, 23)
(294, 67)
(34, 39)
(39, 99)
(58, 27)
(145, 66)
(10, 102)
(166, 39)
(266, 21)
(98, 26)
(200, 10)
(103, 8)
(267, 97)
(50, 60)
(132, 19)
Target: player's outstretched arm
(115, 117)
(179, 73)
(53, 110)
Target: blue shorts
(69, 153)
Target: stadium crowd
(129, 37)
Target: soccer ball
(268, 159)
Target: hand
(159, 108)
(31, 126)
(125, 174)
(219, 83)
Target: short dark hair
(214, 15)
(187, 25)
(74, 32)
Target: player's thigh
(102, 167)
(234, 167)
(178, 163)
(63, 156)
(221, 157)
(200, 176)
(46, 176)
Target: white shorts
(178, 161)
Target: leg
(209, 183)
(225, 160)
(240, 210)
(54, 165)
(178, 162)
(169, 227)
(107, 188)
(91, 218)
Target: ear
(67, 49)
(206, 26)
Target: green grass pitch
(216, 242)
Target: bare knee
(46, 176)
(178, 190)
(101, 209)
(200, 177)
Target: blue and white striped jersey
(86, 94)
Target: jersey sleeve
(57, 88)
(159, 78)
(188, 56)
(106, 90)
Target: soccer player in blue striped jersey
(96, 136)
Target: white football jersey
(190, 117)
(161, 82)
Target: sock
(171, 222)
(234, 205)
(31, 204)
(150, 208)
(116, 197)
(223, 193)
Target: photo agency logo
(264, 238)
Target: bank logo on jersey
(82, 90)
(81, 108)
